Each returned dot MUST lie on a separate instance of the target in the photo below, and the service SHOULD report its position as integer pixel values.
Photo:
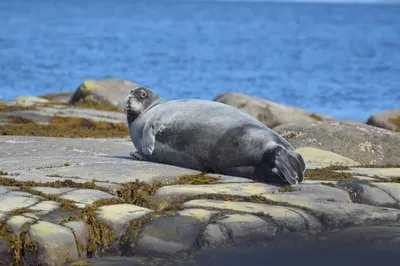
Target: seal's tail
(281, 165)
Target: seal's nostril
(132, 91)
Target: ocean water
(337, 59)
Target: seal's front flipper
(137, 156)
(281, 165)
(288, 166)
(148, 139)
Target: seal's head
(139, 100)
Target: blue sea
(336, 59)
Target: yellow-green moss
(396, 121)
(89, 85)
(65, 127)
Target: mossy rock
(387, 119)
(111, 92)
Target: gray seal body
(211, 137)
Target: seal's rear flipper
(282, 165)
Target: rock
(374, 196)
(17, 222)
(6, 257)
(379, 173)
(167, 235)
(156, 203)
(106, 91)
(61, 97)
(105, 160)
(82, 236)
(118, 216)
(386, 120)
(393, 189)
(29, 100)
(200, 214)
(365, 235)
(364, 144)
(56, 245)
(44, 207)
(236, 189)
(270, 113)
(86, 196)
(53, 190)
(9, 202)
(125, 261)
(46, 114)
(248, 229)
(284, 217)
(215, 235)
(317, 156)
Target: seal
(209, 136)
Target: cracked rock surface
(66, 201)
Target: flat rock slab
(118, 216)
(86, 196)
(43, 115)
(167, 235)
(317, 156)
(370, 195)
(302, 192)
(281, 215)
(237, 189)
(9, 202)
(82, 160)
(364, 235)
(393, 189)
(375, 172)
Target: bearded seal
(209, 136)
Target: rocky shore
(71, 195)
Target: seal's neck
(132, 117)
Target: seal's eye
(142, 94)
